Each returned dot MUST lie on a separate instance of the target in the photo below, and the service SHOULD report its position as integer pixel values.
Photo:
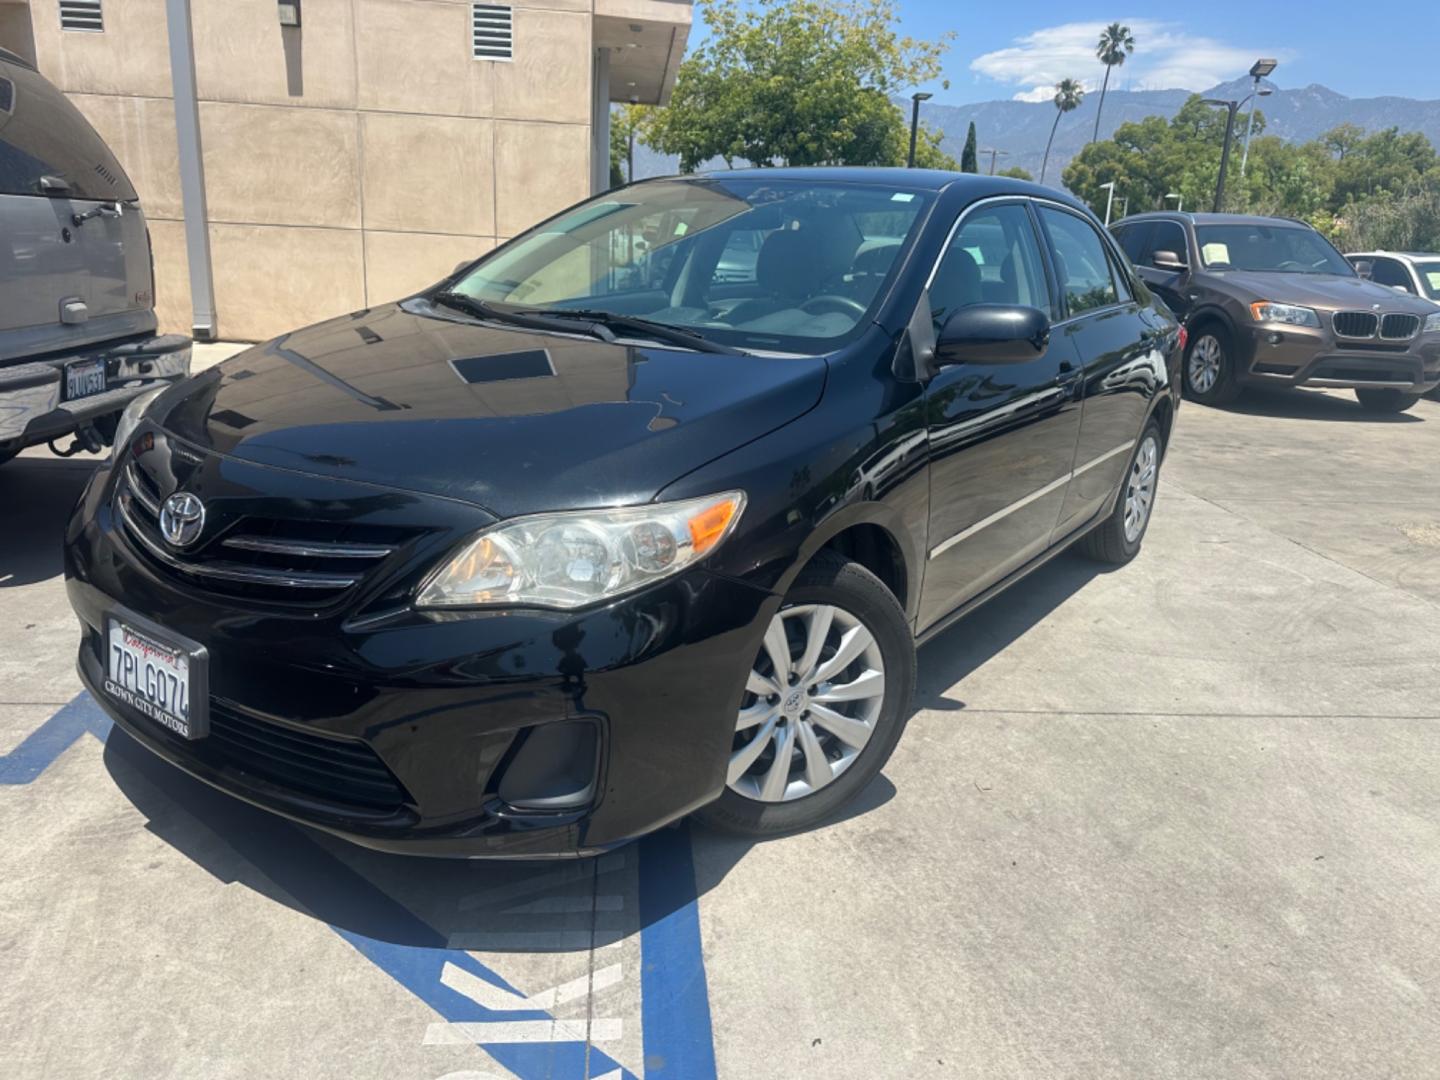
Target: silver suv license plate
(84, 379)
(157, 678)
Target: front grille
(1398, 327)
(1354, 324)
(338, 770)
(277, 560)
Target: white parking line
(568, 905)
(522, 1031)
(498, 999)
(494, 941)
(576, 989)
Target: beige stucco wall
(347, 163)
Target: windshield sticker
(1432, 277)
(902, 196)
(1216, 253)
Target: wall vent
(81, 15)
(491, 32)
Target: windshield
(1286, 249)
(1430, 278)
(758, 264)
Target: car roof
(975, 185)
(18, 61)
(1212, 219)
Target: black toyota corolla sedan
(641, 514)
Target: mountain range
(1020, 128)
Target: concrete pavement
(1176, 820)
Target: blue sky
(1002, 49)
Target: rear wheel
(1118, 540)
(1385, 401)
(825, 702)
(1210, 367)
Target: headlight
(573, 559)
(131, 417)
(1432, 324)
(1264, 311)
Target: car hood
(1330, 291)
(512, 421)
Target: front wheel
(1385, 401)
(1209, 373)
(825, 702)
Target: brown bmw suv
(1269, 302)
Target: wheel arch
(870, 533)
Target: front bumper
(33, 408)
(444, 703)
(1298, 356)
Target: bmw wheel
(825, 702)
(1209, 373)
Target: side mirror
(1168, 260)
(992, 334)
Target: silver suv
(77, 321)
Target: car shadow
(521, 906)
(1300, 403)
(38, 494)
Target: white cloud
(1166, 57)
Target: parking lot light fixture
(915, 99)
(1109, 200)
(290, 13)
(1179, 199)
(1258, 71)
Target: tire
(7, 455)
(1116, 541)
(1385, 401)
(855, 599)
(1209, 374)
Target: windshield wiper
(480, 309)
(637, 324)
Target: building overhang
(646, 40)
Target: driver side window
(993, 258)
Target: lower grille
(1354, 324)
(1397, 326)
(342, 771)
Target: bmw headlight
(569, 560)
(1265, 311)
(1432, 324)
(130, 418)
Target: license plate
(157, 678)
(84, 378)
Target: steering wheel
(833, 302)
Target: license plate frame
(164, 650)
(84, 378)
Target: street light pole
(1110, 201)
(915, 100)
(1231, 108)
(1258, 71)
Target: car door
(1002, 436)
(1115, 340)
(1166, 282)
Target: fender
(847, 516)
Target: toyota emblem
(181, 519)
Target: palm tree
(1116, 42)
(1068, 95)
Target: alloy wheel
(1140, 488)
(811, 702)
(1205, 360)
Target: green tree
(1116, 42)
(969, 157)
(795, 82)
(1016, 172)
(627, 126)
(1068, 95)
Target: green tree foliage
(969, 159)
(1016, 172)
(1350, 184)
(797, 82)
(627, 123)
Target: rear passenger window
(1081, 264)
(44, 136)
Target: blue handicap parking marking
(477, 1003)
